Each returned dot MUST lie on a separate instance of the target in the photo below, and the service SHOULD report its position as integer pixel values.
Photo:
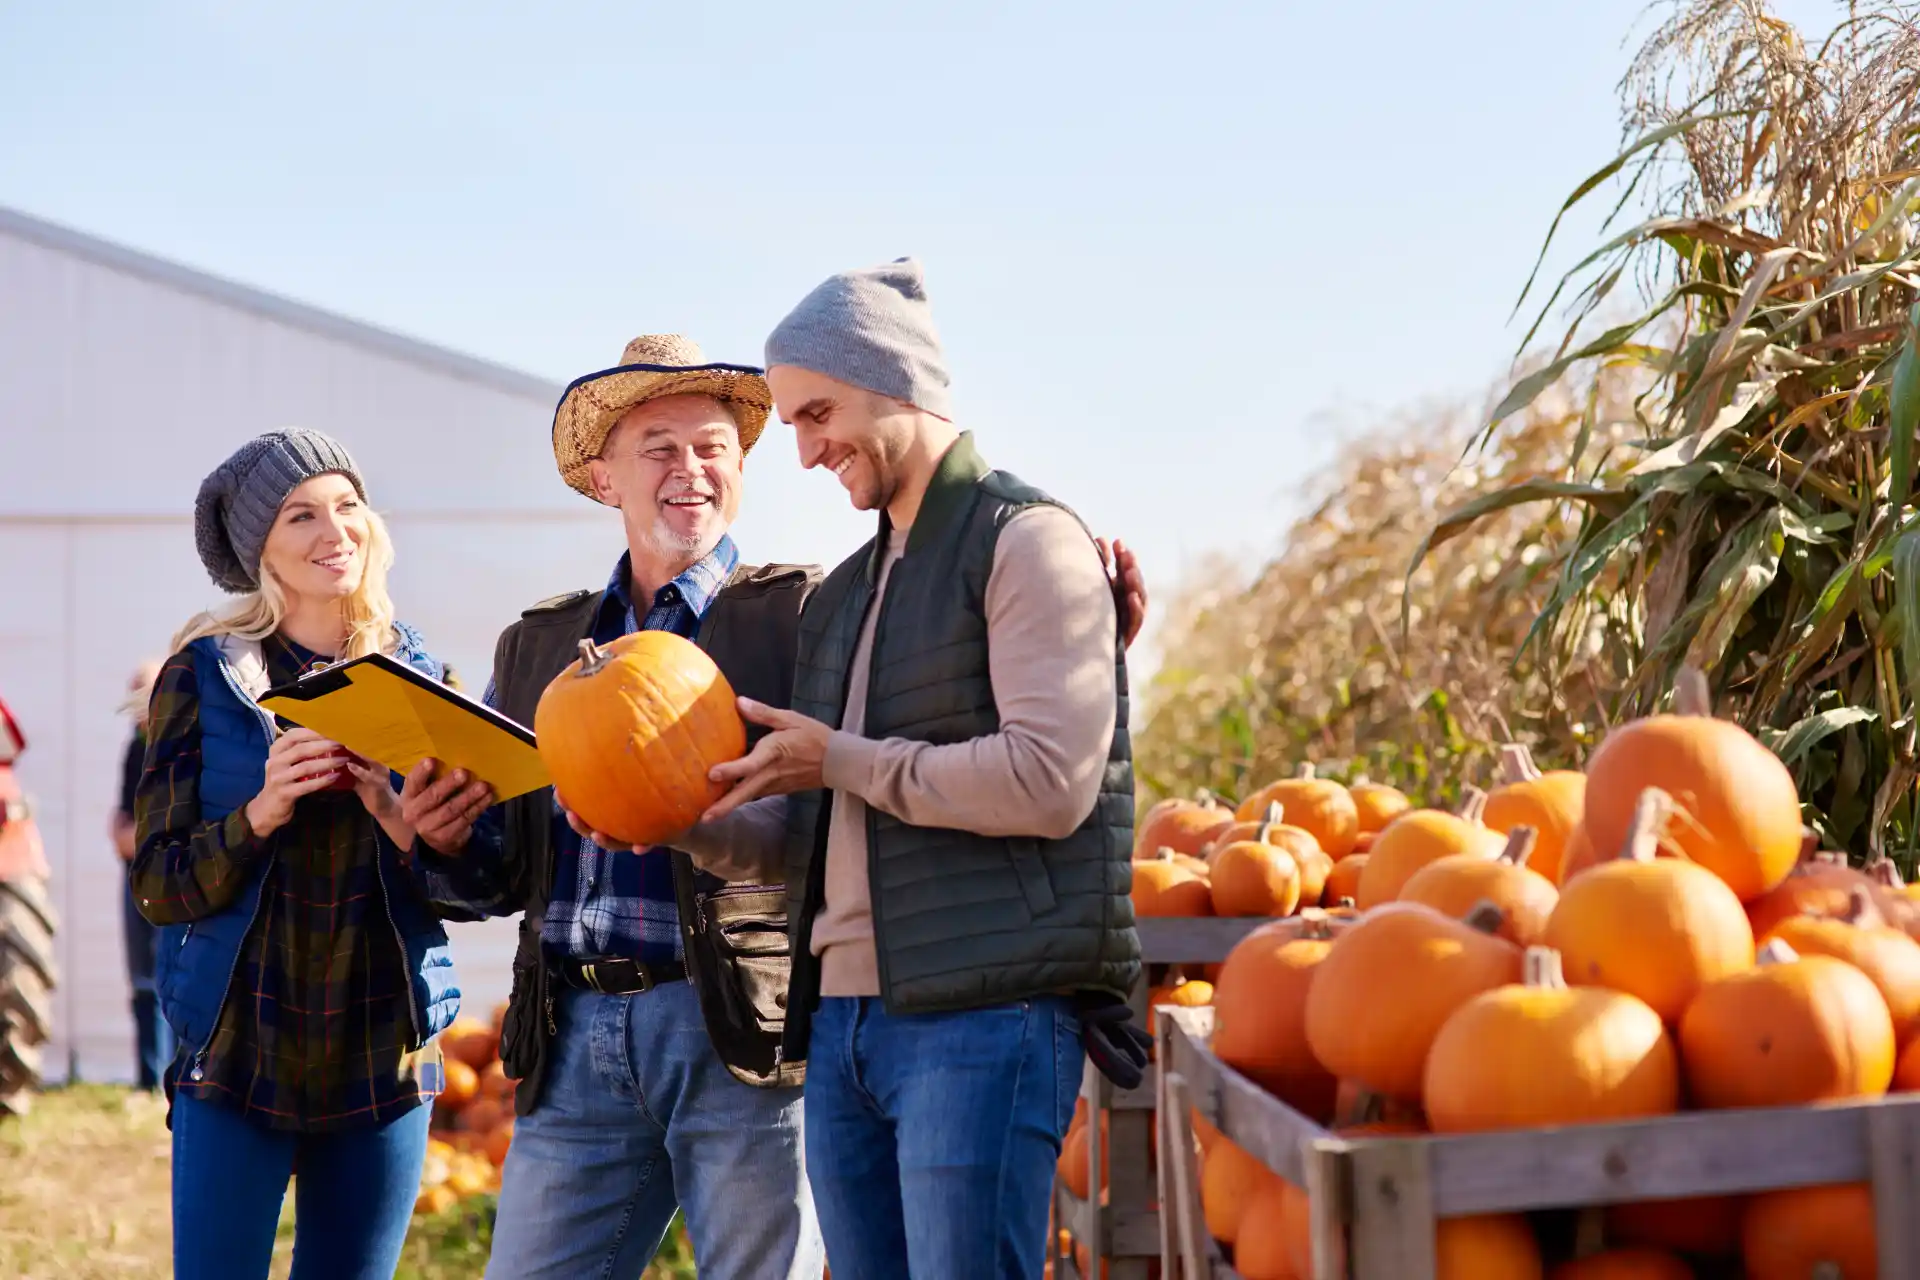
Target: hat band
(585, 378)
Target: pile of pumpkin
(472, 1123)
(1656, 934)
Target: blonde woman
(300, 972)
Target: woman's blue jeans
(352, 1201)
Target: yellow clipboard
(383, 710)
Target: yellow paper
(385, 711)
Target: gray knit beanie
(238, 503)
(871, 328)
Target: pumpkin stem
(1650, 814)
(1590, 1232)
(1275, 812)
(1540, 967)
(1486, 916)
(1520, 843)
(1347, 904)
(1860, 910)
(1304, 772)
(1691, 696)
(1883, 870)
(1777, 951)
(1516, 764)
(1165, 853)
(1359, 780)
(592, 658)
(1473, 803)
(1368, 1108)
(1318, 924)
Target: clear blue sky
(1164, 242)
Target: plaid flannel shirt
(313, 1034)
(603, 902)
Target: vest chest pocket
(1030, 869)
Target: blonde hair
(258, 614)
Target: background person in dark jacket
(304, 978)
(152, 1040)
(956, 795)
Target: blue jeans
(932, 1138)
(152, 1038)
(352, 1201)
(639, 1116)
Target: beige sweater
(1050, 639)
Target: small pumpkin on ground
(1656, 928)
(1422, 836)
(629, 731)
(1550, 803)
(1543, 1054)
(1453, 886)
(1793, 1235)
(1740, 809)
(1793, 1030)
(1320, 806)
(1378, 999)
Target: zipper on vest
(406, 962)
(873, 844)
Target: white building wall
(122, 382)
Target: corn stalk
(1766, 531)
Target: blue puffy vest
(195, 963)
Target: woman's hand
(299, 763)
(373, 783)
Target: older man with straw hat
(644, 1026)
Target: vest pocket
(748, 931)
(1030, 869)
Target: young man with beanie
(951, 800)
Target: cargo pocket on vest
(749, 931)
(1030, 869)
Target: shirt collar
(697, 585)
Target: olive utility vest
(959, 920)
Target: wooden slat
(1192, 939)
(1182, 1197)
(1392, 1190)
(1268, 1129)
(1894, 1137)
(1693, 1154)
(1327, 1213)
(1127, 1236)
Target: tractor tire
(29, 973)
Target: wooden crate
(1127, 1231)
(1375, 1200)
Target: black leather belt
(614, 975)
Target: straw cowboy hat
(653, 365)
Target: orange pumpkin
(1364, 841)
(1189, 993)
(1422, 836)
(1343, 882)
(1792, 1235)
(1656, 928)
(1791, 1031)
(1906, 1069)
(495, 1083)
(1887, 956)
(1623, 1264)
(1704, 1225)
(462, 1085)
(1184, 826)
(1320, 806)
(1072, 1166)
(1230, 1179)
(1740, 809)
(1544, 1054)
(1380, 997)
(1258, 877)
(481, 1117)
(1495, 1247)
(629, 731)
(1377, 804)
(471, 1041)
(1169, 886)
(1237, 830)
(1259, 1015)
(1820, 884)
(1314, 863)
(1550, 803)
(1265, 1247)
(1454, 885)
(499, 1142)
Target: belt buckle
(646, 978)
